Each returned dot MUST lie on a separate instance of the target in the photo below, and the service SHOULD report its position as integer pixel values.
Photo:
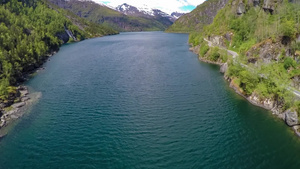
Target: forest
(30, 31)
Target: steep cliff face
(199, 17)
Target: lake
(142, 100)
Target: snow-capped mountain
(133, 11)
(177, 14)
(145, 11)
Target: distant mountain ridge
(126, 18)
(147, 12)
(177, 14)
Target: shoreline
(19, 103)
(267, 104)
(10, 112)
(21, 96)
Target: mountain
(30, 31)
(104, 15)
(148, 12)
(258, 45)
(199, 17)
(176, 15)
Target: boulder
(256, 3)
(18, 105)
(24, 99)
(24, 92)
(224, 67)
(12, 112)
(291, 118)
(241, 8)
(228, 36)
(296, 129)
(2, 123)
(14, 117)
(296, 82)
(217, 40)
(2, 105)
(269, 5)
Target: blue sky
(188, 8)
(168, 6)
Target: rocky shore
(17, 109)
(290, 117)
(11, 110)
(17, 103)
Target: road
(232, 53)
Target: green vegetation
(289, 63)
(265, 38)
(214, 55)
(29, 31)
(203, 50)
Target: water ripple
(145, 105)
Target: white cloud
(164, 5)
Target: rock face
(267, 103)
(266, 51)
(217, 40)
(63, 36)
(291, 118)
(224, 68)
(195, 49)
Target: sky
(168, 6)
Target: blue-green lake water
(142, 100)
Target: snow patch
(146, 10)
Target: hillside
(30, 31)
(199, 17)
(258, 45)
(101, 14)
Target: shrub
(288, 28)
(215, 55)
(289, 62)
(248, 81)
(203, 50)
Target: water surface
(142, 100)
